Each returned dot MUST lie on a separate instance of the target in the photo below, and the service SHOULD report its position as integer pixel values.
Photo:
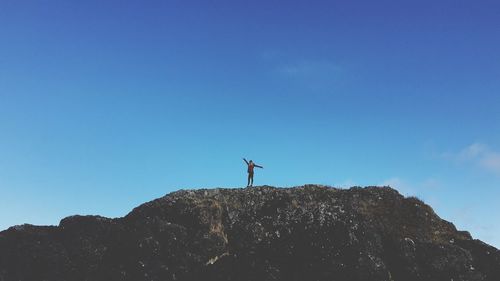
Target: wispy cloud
(309, 68)
(407, 189)
(431, 183)
(478, 154)
(468, 219)
(314, 74)
(491, 161)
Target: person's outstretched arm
(245, 160)
(259, 166)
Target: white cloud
(309, 68)
(431, 183)
(314, 75)
(479, 154)
(491, 161)
(420, 188)
(466, 218)
(472, 151)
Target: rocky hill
(304, 233)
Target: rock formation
(303, 233)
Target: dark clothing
(251, 166)
(250, 179)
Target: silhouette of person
(251, 165)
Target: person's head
(251, 161)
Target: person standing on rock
(251, 165)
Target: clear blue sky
(107, 104)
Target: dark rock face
(305, 233)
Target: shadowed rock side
(264, 233)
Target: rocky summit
(303, 233)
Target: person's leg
(251, 179)
(248, 183)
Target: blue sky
(107, 104)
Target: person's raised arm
(259, 166)
(245, 160)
